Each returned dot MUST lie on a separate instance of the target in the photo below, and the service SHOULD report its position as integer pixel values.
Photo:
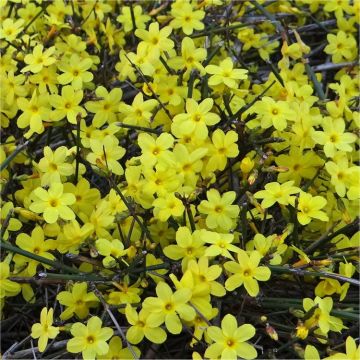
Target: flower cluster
(181, 170)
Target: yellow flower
(37, 245)
(275, 192)
(352, 351)
(53, 203)
(116, 350)
(223, 147)
(77, 301)
(34, 112)
(191, 57)
(39, 59)
(225, 74)
(156, 39)
(247, 272)
(67, 105)
(75, 71)
(53, 165)
(186, 18)
(219, 209)
(221, 244)
(168, 307)
(90, 339)
(189, 246)
(334, 137)
(203, 273)
(44, 330)
(105, 108)
(230, 340)
(10, 29)
(196, 119)
(7, 287)
(321, 315)
(125, 18)
(72, 236)
(139, 112)
(309, 207)
(167, 206)
(106, 153)
(112, 250)
(273, 113)
(341, 46)
(142, 326)
(155, 150)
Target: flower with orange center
(230, 340)
(53, 203)
(246, 272)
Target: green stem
(301, 272)
(7, 246)
(141, 128)
(7, 161)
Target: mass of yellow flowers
(179, 179)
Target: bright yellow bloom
(139, 112)
(72, 236)
(168, 307)
(53, 165)
(156, 39)
(10, 30)
(205, 274)
(189, 246)
(309, 207)
(125, 18)
(321, 316)
(112, 250)
(167, 206)
(341, 46)
(90, 339)
(142, 326)
(246, 272)
(334, 137)
(230, 340)
(37, 245)
(186, 18)
(155, 150)
(39, 59)
(105, 108)
(75, 71)
(116, 350)
(224, 146)
(273, 113)
(352, 351)
(196, 119)
(53, 203)
(7, 287)
(105, 154)
(219, 209)
(34, 112)
(191, 57)
(77, 301)
(44, 330)
(275, 192)
(67, 105)
(221, 244)
(225, 74)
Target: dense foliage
(179, 179)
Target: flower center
(90, 339)
(54, 202)
(218, 209)
(168, 307)
(275, 111)
(230, 342)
